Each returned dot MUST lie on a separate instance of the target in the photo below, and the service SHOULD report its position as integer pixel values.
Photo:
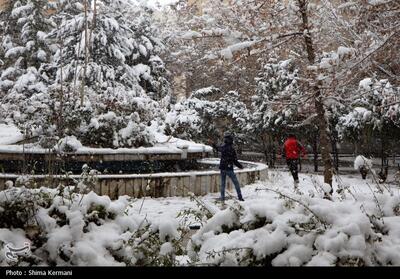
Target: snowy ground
(162, 207)
(359, 226)
(275, 225)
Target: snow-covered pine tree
(108, 56)
(374, 113)
(275, 106)
(95, 75)
(121, 52)
(207, 114)
(26, 53)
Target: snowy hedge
(65, 227)
(296, 230)
(68, 226)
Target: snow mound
(68, 228)
(361, 162)
(69, 144)
(9, 134)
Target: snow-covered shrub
(294, 230)
(64, 226)
(183, 122)
(361, 162)
(363, 165)
(277, 84)
(353, 125)
(111, 130)
(69, 144)
(374, 112)
(275, 105)
(156, 244)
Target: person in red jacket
(292, 149)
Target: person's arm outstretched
(235, 160)
(217, 147)
(214, 145)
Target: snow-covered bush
(183, 122)
(111, 130)
(363, 165)
(65, 226)
(277, 85)
(297, 230)
(374, 112)
(69, 144)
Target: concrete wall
(151, 185)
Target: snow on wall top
(9, 135)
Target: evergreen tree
(109, 51)
(100, 79)
(25, 54)
(374, 113)
(207, 114)
(274, 107)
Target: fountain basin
(165, 184)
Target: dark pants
(233, 177)
(293, 167)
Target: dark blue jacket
(228, 155)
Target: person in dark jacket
(292, 150)
(228, 160)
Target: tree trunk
(318, 101)
(335, 150)
(61, 117)
(335, 155)
(324, 141)
(265, 149)
(384, 161)
(93, 26)
(273, 150)
(315, 150)
(86, 55)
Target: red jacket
(293, 148)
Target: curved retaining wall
(153, 185)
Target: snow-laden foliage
(275, 104)
(357, 226)
(121, 53)
(207, 114)
(375, 110)
(362, 162)
(65, 226)
(98, 78)
(301, 230)
(25, 53)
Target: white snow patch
(362, 161)
(10, 134)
